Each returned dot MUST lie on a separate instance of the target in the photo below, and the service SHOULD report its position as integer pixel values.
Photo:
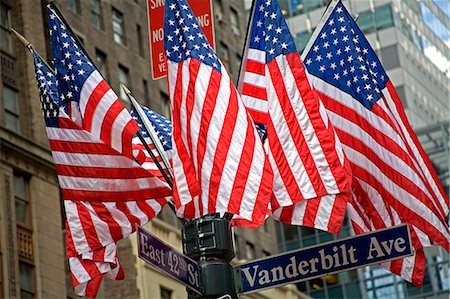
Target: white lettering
(251, 278)
(156, 3)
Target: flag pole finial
(127, 91)
(24, 41)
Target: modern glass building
(412, 39)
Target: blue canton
(72, 66)
(270, 32)
(342, 56)
(48, 91)
(162, 126)
(183, 37)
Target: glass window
(366, 22)
(302, 39)
(389, 57)
(5, 24)
(433, 22)
(165, 293)
(234, 19)
(100, 59)
(165, 105)
(21, 200)
(223, 52)
(383, 17)
(74, 6)
(118, 27)
(123, 79)
(11, 107)
(219, 10)
(96, 14)
(250, 251)
(26, 280)
(140, 40)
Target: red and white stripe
(105, 116)
(381, 157)
(304, 152)
(106, 196)
(219, 163)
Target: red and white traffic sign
(203, 12)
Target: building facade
(412, 40)
(115, 35)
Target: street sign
(324, 259)
(168, 260)
(155, 10)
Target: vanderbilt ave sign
(324, 259)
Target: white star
(177, 31)
(171, 22)
(322, 68)
(370, 97)
(326, 45)
(352, 69)
(81, 72)
(190, 16)
(363, 67)
(202, 57)
(271, 51)
(79, 62)
(336, 76)
(69, 95)
(64, 35)
(350, 58)
(274, 40)
(323, 35)
(172, 6)
(331, 22)
(345, 73)
(284, 45)
(333, 31)
(341, 19)
(355, 39)
(170, 38)
(358, 89)
(339, 9)
(181, 21)
(341, 63)
(69, 66)
(365, 51)
(78, 53)
(333, 65)
(360, 59)
(329, 55)
(184, 6)
(65, 45)
(278, 30)
(365, 77)
(257, 39)
(308, 61)
(185, 28)
(67, 55)
(270, 27)
(261, 8)
(338, 52)
(318, 58)
(191, 37)
(345, 38)
(175, 48)
(355, 79)
(316, 48)
(196, 47)
(335, 41)
(367, 87)
(374, 64)
(194, 25)
(273, 16)
(349, 83)
(347, 48)
(258, 24)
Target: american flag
(394, 181)
(106, 194)
(311, 178)
(163, 129)
(92, 103)
(218, 159)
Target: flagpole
(149, 128)
(250, 20)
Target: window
(5, 24)
(165, 105)
(165, 293)
(118, 27)
(26, 271)
(249, 251)
(24, 236)
(11, 107)
(123, 79)
(96, 14)
(21, 200)
(100, 59)
(234, 18)
(140, 40)
(389, 56)
(302, 39)
(146, 95)
(366, 22)
(74, 6)
(224, 55)
(383, 17)
(219, 10)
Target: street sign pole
(208, 240)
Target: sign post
(168, 260)
(323, 259)
(155, 10)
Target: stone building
(115, 34)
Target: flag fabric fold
(218, 160)
(394, 181)
(311, 177)
(106, 193)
